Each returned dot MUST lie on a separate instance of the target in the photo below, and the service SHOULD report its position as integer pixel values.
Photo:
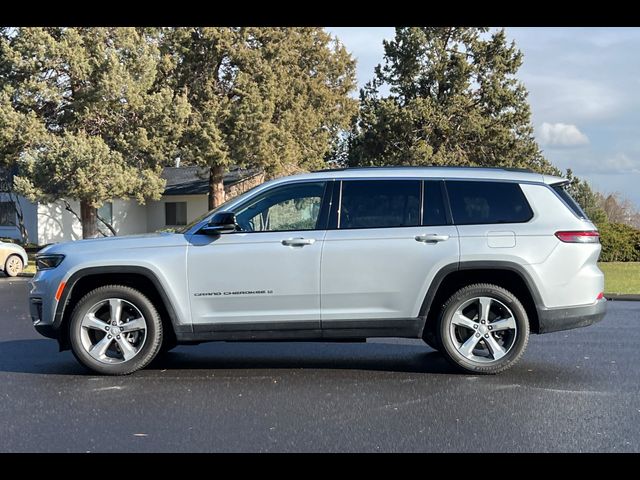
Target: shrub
(620, 243)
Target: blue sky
(584, 86)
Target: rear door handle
(431, 238)
(298, 242)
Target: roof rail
(508, 169)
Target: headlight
(48, 261)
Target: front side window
(477, 203)
(379, 204)
(286, 208)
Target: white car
(469, 259)
(13, 258)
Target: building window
(175, 213)
(7, 214)
(105, 212)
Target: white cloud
(621, 163)
(562, 135)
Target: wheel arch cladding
(85, 280)
(453, 277)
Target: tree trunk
(88, 217)
(20, 216)
(216, 187)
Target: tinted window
(561, 190)
(487, 202)
(290, 207)
(433, 212)
(380, 203)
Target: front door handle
(431, 238)
(298, 242)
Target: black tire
(518, 342)
(8, 271)
(147, 351)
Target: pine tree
(453, 99)
(85, 117)
(268, 98)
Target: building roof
(194, 180)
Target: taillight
(587, 236)
(600, 296)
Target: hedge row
(620, 243)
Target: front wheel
(13, 266)
(483, 329)
(115, 330)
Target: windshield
(219, 208)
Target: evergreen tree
(83, 116)
(269, 98)
(453, 99)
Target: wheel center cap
(115, 330)
(482, 329)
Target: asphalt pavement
(574, 391)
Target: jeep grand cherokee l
(469, 259)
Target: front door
(268, 272)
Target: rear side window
(561, 190)
(433, 212)
(474, 203)
(379, 203)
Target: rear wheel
(115, 330)
(483, 329)
(13, 266)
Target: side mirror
(221, 222)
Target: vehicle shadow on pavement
(306, 355)
(42, 357)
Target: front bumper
(557, 319)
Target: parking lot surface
(574, 391)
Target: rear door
(389, 238)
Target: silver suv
(471, 260)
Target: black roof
(194, 180)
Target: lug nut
(118, 337)
(109, 336)
(486, 335)
(477, 334)
(490, 327)
(107, 328)
(482, 321)
(475, 326)
(114, 323)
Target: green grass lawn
(30, 268)
(621, 277)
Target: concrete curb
(626, 297)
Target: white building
(184, 199)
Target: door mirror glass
(221, 222)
